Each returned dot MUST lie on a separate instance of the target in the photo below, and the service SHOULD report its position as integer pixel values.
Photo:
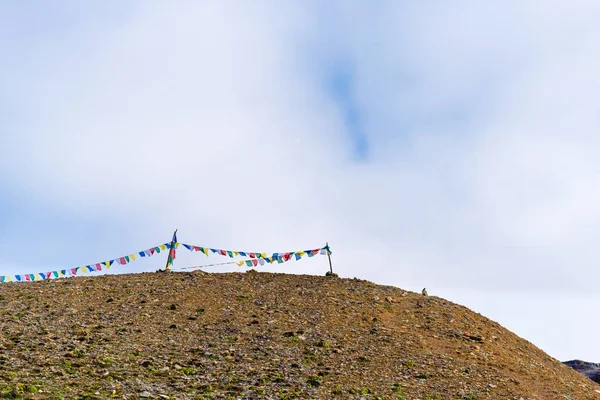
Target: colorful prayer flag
(172, 251)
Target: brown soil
(259, 335)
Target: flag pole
(329, 257)
(173, 241)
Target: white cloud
(215, 118)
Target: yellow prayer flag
(132, 257)
(240, 263)
(163, 247)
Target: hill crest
(261, 335)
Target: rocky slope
(591, 370)
(258, 335)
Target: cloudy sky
(444, 144)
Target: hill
(591, 370)
(259, 335)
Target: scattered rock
(261, 335)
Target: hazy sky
(444, 144)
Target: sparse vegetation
(259, 335)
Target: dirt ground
(259, 335)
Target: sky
(445, 144)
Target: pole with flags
(172, 252)
(329, 257)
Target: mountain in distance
(591, 370)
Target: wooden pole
(329, 257)
(168, 267)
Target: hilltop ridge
(261, 335)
